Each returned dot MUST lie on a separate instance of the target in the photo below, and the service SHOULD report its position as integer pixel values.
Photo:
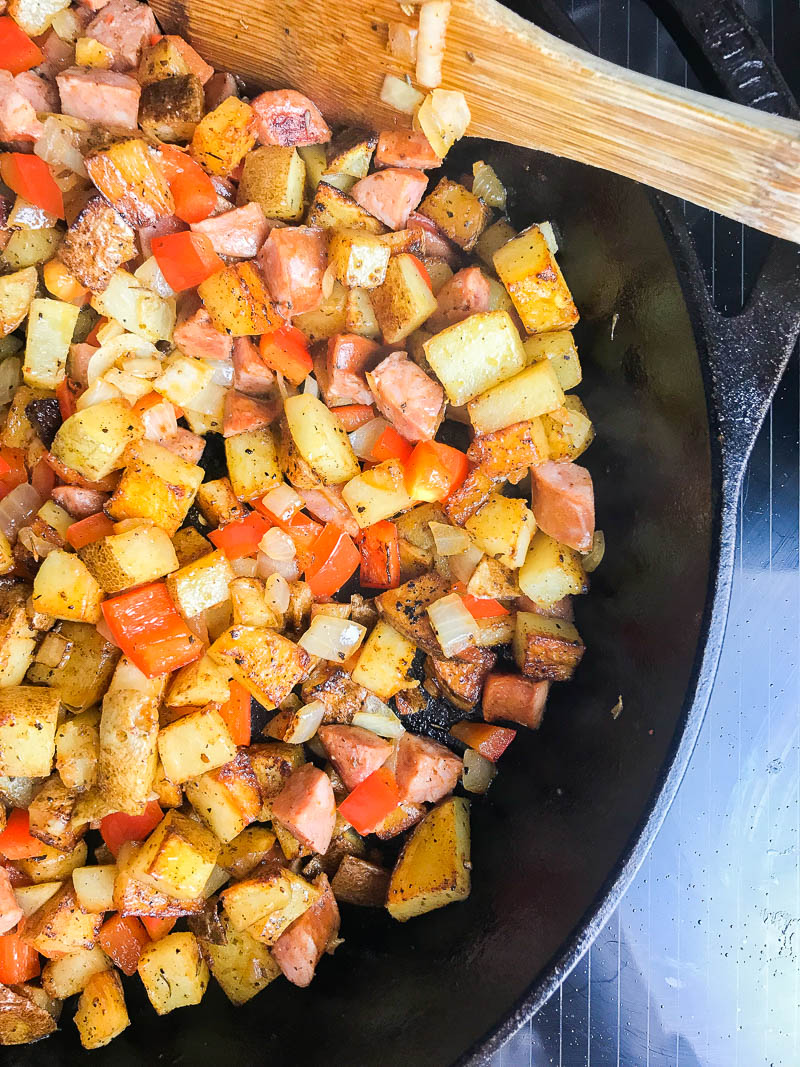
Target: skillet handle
(748, 352)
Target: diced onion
(478, 772)
(328, 279)
(594, 557)
(131, 387)
(331, 638)
(364, 438)
(53, 650)
(402, 42)
(379, 718)
(453, 625)
(59, 145)
(17, 509)
(400, 95)
(462, 566)
(488, 186)
(549, 235)
(97, 393)
(216, 880)
(433, 16)
(123, 346)
(151, 276)
(160, 422)
(278, 545)
(311, 386)
(283, 502)
(277, 593)
(244, 568)
(10, 378)
(305, 723)
(287, 568)
(222, 372)
(443, 117)
(449, 540)
(142, 366)
(67, 25)
(38, 546)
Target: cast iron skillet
(678, 394)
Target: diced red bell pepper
(434, 471)
(67, 393)
(490, 741)
(423, 271)
(483, 607)
(380, 556)
(390, 445)
(192, 190)
(123, 939)
(236, 713)
(157, 928)
(146, 625)
(16, 840)
(88, 530)
(351, 416)
(19, 962)
(14, 472)
(334, 559)
(17, 51)
(286, 351)
(118, 828)
(31, 178)
(371, 801)
(186, 259)
(241, 537)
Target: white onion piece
(244, 568)
(53, 650)
(278, 545)
(151, 276)
(462, 566)
(59, 145)
(400, 95)
(142, 366)
(283, 502)
(277, 593)
(449, 540)
(310, 386)
(10, 378)
(36, 545)
(305, 723)
(123, 346)
(287, 568)
(221, 371)
(453, 625)
(131, 387)
(67, 25)
(594, 557)
(160, 422)
(379, 718)
(328, 279)
(402, 42)
(478, 772)
(364, 438)
(97, 393)
(331, 638)
(433, 16)
(17, 509)
(488, 186)
(216, 880)
(549, 235)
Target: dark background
(700, 965)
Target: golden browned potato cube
(551, 571)
(31, 897)
(94, 886)
(359, 258)
(237, 299)
(133, 895)
(178, 856)
(404, 301)
(22, 1018)
(138, 308)
(129, 177)
(28, 717)
(92, 441)
(350, 152)
(357, 881)
(273, 762)
(268, 903)
(161, 60)
(17, 290)
(198, 683)
(194, 744)
(61, 924)
(18, 431)
(253, 464)
(492, 238)
(360, 315)
(492, 579)
(328, 319)
(433, 868)
(320, 439)
(534, 391)
(546, 649)
(134, 557)
(267, 664)
(85, 669)
(218, 502)
(385, 661)
(201, 584)
(377, 493)
(503, 528)
(78, 750)
(244, 852)
(173, 972)
(332, 209)
(65, 589)
(156, 484)
(275, 178)
(51, 815)
(18, 637)
(458, 213)
(128, 737)
(250, 607)
(52, 864)
(189, 545)
(569, 435)
(70, 974)
(227, 799)
(528, 270)
(242, 966)
(51, 324)
(101, 1014)
(472, 356)
(559, 348)
(224, 137)
(170, 109)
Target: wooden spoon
(523, 86)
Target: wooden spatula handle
(523, 86)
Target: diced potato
(268, 903)
(94, 887)
(173, 972)
(133, 895)
(101, 1014)
(404, 301)
(360, 315)
(357, 881)
(218, 503)
(83, 674)
(182, 378)
(129, 177)
(17, 290)
(55, 516)
(198, 683)
(250, 607)
(31, 897)
(559, 348)
(92, 441)
(492, 238)
(91, 53)
(227, 799)
(189, 545)
(70, 974)
(27, 248)
(528, 269)
(242, 965)
(546, 649)
(65, 589)
(201, 584)
(253, 465)
(385, 661)
(128, 737)
(121, 561)
(7, 561)
(61, 924)
(266, 663)
(156, 484)
(224, 137)
(244, 852)
(443, 117)
(139, 309)
(194, 744)
(328, 319)
(568, 437)
(332, 209)
(433, 868)
(78, 750)
(35, 16)
(534, 391)
(18, 430)
(28, 718)
(171, 108)
(24, 1015)
(178, 856)
(472, 356)
(18, 637)
(50, 327)
(237, 299)
(359, 258)
(351, 153)
(458, 213)
(551, 571)
(320, 439)
(377, 493)
(52, 816)
(494, 580)
(272, 763)
(52, 864)
(503, 528)
(275, 178)
(161, 60)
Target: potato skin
(171, 108)
(97, 242)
